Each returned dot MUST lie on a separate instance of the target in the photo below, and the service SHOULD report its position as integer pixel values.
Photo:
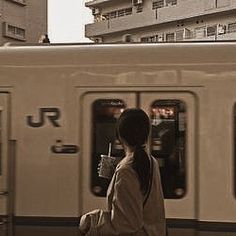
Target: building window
(113, 14)
(179, 35)
(128, 11)
(232, 27)
(150, 39)
(211, 30)
(118, 13)
(171, 2)
(13, 31)
(188, 33)
(161, 3)
(157, 4)
(170, 37)
(200, 32)
(121, 13)
(20, 2)
(139, 8)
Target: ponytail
(141, 165)
(133, 129)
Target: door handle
(3, 193)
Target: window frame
(14, 35)
(98, 185)
(233, 28)
(158, 4)
(182, 134)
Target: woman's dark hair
(133, 128)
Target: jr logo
(51, 113)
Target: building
(161, 20)
(22, 20)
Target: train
(58, 110)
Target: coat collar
(128, 159)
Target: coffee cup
(107, 166)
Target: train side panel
(43, 117)
(51, 107)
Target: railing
(87, 2)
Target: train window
(105, 113)
(168, 145)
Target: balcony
(204, 35)
(227, 36)
(151, 17)
(118, 24)
(91, 3)
(211, 33)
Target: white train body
(47, 96)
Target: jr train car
(58, 109)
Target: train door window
(168, 145)
(105, 113)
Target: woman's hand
(85, 223)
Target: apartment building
(161, 20)
(22, 20)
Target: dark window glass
(128, 11)
(105, 113)
(157, 4)
(168, 119)
(170, 37)
(211, 30)
(121, 12)
(144, 39)
(150, 39)
(232, 27)
(113, 14)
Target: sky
(66, 20)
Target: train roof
(119, 54)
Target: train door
(3, 163)
(172, 118)
(100, 112)
(171, 143)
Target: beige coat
(125, 214)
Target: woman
(135, 204)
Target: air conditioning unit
(95, 11)
(137, 2)
(221, 29)
(161, 38)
